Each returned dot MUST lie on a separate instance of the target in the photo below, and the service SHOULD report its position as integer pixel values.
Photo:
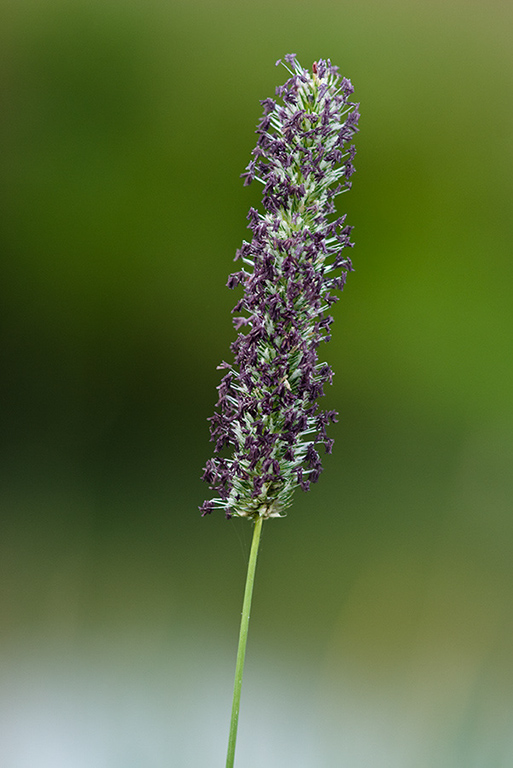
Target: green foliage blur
(124, 129)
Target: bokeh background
(382, 624)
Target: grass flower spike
(268, 425)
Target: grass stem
(243, 637)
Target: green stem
(243, 637)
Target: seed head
(267, 422)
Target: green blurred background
(382, 625)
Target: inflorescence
(267, 422)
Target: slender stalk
(243, 637)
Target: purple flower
(268, 423)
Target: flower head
(267, 422)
